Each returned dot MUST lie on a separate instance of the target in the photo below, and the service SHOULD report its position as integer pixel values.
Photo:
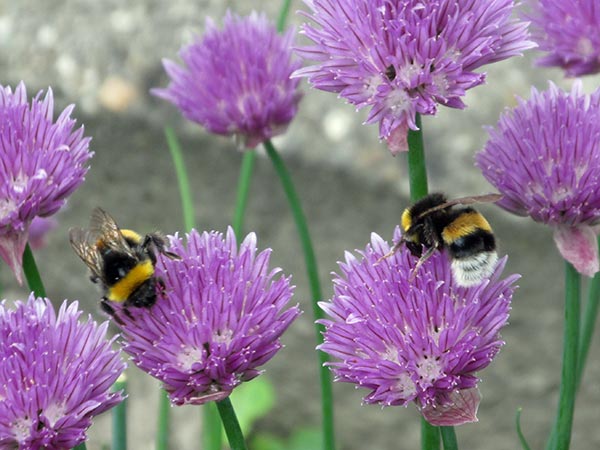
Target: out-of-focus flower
(402, 57)
(219, 317)
(55, 375)
(38, 229)
(420, 340)
(568, 31)
(544, 157)
(236, 81)
(41, 163)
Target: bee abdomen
(472, 270)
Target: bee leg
(421, 261)
(394, 249)
(127, 313)
(108, 309)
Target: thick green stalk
(119, 416)
(185, 192)
(164, 421)
(211, 426)
(417, 178)
(81, 447)
(417, 170)
(449, 438)
(231, 425)
(32, 275)
(315, 288)
(430, 436)
(560, 438)
(242, 191)
(589, 324)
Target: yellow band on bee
(131, 235)
(406, 220)
(122, 289)
(464, 225)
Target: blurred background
(104, 56)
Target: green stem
(242, 192)
(430, 436)
(81, 447)
(283, 14)
(417, 179)
(589, 324)
(231, 425)
(164, 421)
(417, 170)
(522, 440)
(32, 275)
(560, 437)
(119, 417)
(449, 438)
(184, 185)
(315, 288)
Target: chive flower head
(403, 57)
(236, 81)
(420, 340)
(544, 157)
(218, 319)
(42, 161)
(55, 375)
(567, 30)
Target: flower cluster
(236, 81)
(55, 375)
(219, 318)
(568, 31)
(420, 340)
(43, 162)
(403, 57)
(544, 157)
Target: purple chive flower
(55, 375)
(41, 163)
(422, 340)
(219, 317)
(403, 57)
(568, 31)
(544, 157)
(236, 81)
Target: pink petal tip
(397, 141)
(578, 246)
(12, 246)
(461, 408)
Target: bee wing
(104, 226)
(487, 198)
(85, 248)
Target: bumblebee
(434, 223)
(121, 261)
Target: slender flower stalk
(560, 437)
(315, 288)
(589, 324)
(430, 436)
(211, 435)
(32, 274)
(119, 416)
(231, 424)
(417, 178)
(187, 201)
(242, 191)
(449, 438)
